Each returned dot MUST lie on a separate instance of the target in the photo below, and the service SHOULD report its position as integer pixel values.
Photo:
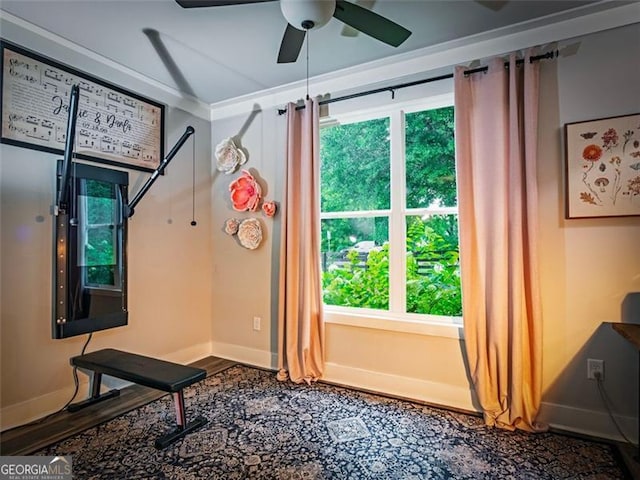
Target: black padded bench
(149, 372)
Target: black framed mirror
(90, 259)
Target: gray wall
(169, 260)
(588, 267)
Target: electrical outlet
(256, 323)
(595, 368)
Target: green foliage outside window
(433, 273)
(355, 176)
(433, 268)
(357, 285)
(355, 169)
(430, 158)
(100, 248)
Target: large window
(389, 214)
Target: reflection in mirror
(90, 253)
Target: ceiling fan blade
(291, 44)
(215, 3)
(371, 23)
(494, 5)
(348, 31)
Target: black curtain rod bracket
(534, 58)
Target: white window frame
(396, 318)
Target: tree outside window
(99, 211)
(389, 215)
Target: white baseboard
(406, 387)
(239, 353)
(452, 396)
(34, 408)
(595, 423)
(38, 407)
(190, 354)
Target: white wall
(169, 260)
(588, 266)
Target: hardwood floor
(30, 438)
(631, 458)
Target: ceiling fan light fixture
(307, 14)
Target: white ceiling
(218, 53)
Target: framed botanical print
(602, 167)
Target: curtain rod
(393, 88)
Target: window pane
(100, 197)
(430, 159)
(100, 255)
(355, 166)
(100, 247)
(355, 262)
(98, 229)
(433, 268)
(101, 275)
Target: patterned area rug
(260, 428)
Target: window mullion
(397, 241)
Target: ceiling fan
(303, 15)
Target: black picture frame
(115, 126)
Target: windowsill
(449, 327)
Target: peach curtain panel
(496, 147)
(300, 322)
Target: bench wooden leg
(96, 380)
(183, 427)
(178, 402)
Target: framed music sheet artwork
(602, 174)
(113, 125)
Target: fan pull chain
(193, 181)
(308, 40)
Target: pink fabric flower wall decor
(269, 208)
(228, 156)
(231, 226)
(245, 193)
